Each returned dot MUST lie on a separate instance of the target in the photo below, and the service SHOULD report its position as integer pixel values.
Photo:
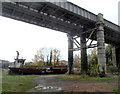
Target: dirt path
(50, 84)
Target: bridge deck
(61, 16)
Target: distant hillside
(4, 64)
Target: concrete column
(84, 64)
(70, 54)
(101, 45)
(113, 56)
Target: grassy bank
(111, 85)
(80, 77)
(17, 83)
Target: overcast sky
(27, 38)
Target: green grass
(17, 83)
(117, 90)
(22, 83)
(80, 77)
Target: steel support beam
(70, 54)
(117, 50)
(0, 8)
(113, 56)
(101, 45)
(84, 64)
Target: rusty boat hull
(39, 69)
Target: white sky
(27, 38)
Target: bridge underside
(51, 16)
(67, 18)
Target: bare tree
(39, 56)
(36, 58)
(56, 56)
(47, 56)
(76, 61)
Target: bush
(112, 69)
(93, 69)
(92, 63)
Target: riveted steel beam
(117, 50)
(70, 54)
(84, 63)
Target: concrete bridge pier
(70, 54)
(84, 63)
(101, 45)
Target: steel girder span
(61, 16)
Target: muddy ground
(51, 84)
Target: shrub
(112, 69)
(93, 69)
